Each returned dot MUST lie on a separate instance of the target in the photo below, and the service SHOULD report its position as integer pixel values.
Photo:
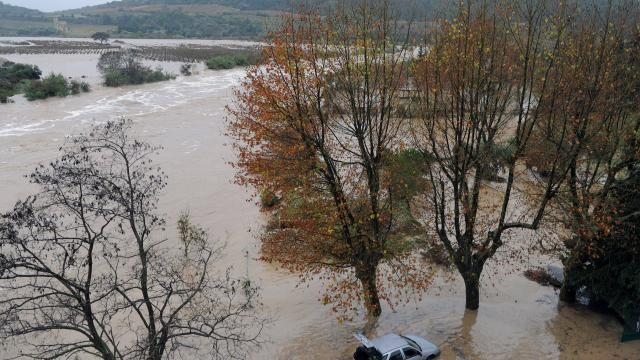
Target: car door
(411, 353)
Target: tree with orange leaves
(318, 123)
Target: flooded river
(517, 319)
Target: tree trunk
(567, 290)
(370, 291)
(567, 293)
(472, 290)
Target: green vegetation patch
(14, 76)
(24, 78)
(53, 85)
(229, 61)
(120, 68)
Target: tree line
(537, 98)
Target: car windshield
(412, 343)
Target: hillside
(12, 11)
(214, 19)
(219, 19)
(240, 4)
(244, 19)
(20, 21)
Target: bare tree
(596, 109)
(506, 86)
(486, 77)
(84, 263)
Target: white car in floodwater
(395, 347)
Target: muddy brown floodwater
(517, 319)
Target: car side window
(410, 352)
(396, 355)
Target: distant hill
(20, 21)
(240, 4)
(214, 19)
(12, 11)
(218, 19)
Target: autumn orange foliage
(316, 123)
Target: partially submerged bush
(5, 95)
(85, 87)
(53, 85)
(125, 68)
(230, 61)
(77, 87)
(221, 62)
(12, 77)
(186, 69)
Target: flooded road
(517, 319)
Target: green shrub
(241, 60)
(124, 68)
(85, 87)
(18, 72)
(230, 61)
(221, 62)
(156, 76)
(186, 69)
(12, 77)
(74, 87)
(56, 85)
(4, 95)
(35, 90)
(52, 85)
(114, 78)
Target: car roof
(389, 342)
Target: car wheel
(431, 357)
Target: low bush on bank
(120, 68)
(230, 61)
(53, 85)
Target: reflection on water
(517, 319)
